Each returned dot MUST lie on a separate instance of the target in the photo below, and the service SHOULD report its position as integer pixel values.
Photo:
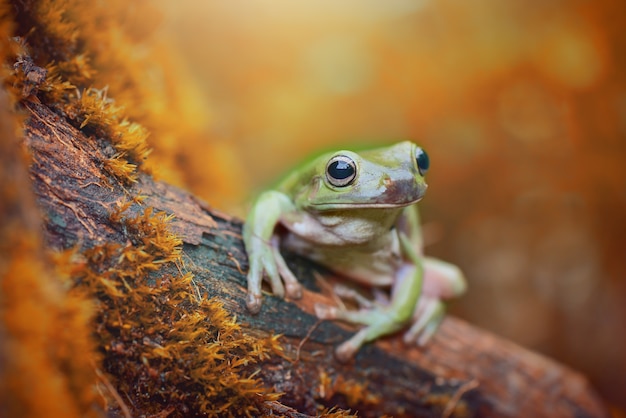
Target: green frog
(356, 214)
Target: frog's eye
(341, 171)
(423, 162)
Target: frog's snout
(403, 191)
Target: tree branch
(463, 372)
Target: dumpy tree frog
(356, 215)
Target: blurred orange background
(520, 105)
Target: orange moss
(95, 112)
(50, 354)
(356, 393)
(115, 47)
(46, 354)
(161, 345)
(120, 168)
(164, 345)
(337, 413)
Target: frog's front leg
(379, 320)
(264, 258)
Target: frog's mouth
(396, 194)
(361, 205)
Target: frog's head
(387, 177)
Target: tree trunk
(462, 372)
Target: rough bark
(463, 372)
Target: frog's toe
(347, 293)
(426, 323)
(427, 333)
(345, 352)
(416, 335)
(276, 283)
(293, 289)
(277, 289)
(325, 311)
(254, 303)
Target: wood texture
(463, 372)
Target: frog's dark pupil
(340, 170)
(423, 162)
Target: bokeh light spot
(339, 65)
(569, 56)
(528, 113)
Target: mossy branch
(463, 372)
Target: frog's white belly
(374, 263)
